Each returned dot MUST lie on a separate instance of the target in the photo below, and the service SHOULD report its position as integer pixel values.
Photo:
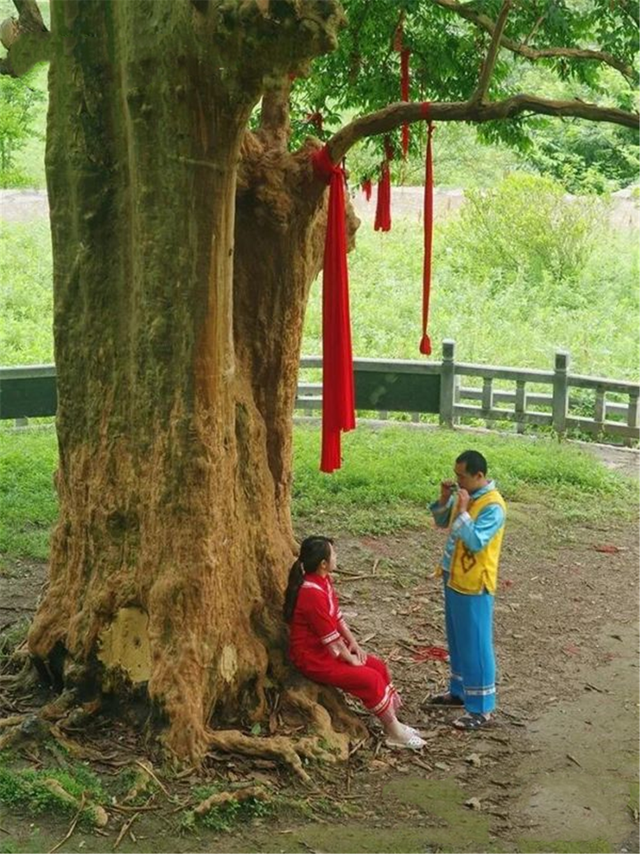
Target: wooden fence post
(447, 382)
(561, 392)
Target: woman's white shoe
(414, 742)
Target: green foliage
(363, 75)
(26, 294)
(523, 232)
(19, 100)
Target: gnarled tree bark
(175, 386)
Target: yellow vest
(472, 572)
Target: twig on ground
(72, 826)
(151, 773)
(123, 830)
(356, 747)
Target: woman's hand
(355, 650)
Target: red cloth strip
(383, 202)
(404, 90)
(366, 188)
(338, 402)
(425, 342)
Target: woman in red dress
(323, 648)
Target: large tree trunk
(174, 394)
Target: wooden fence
(556, 399)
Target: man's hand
(446, 488)
(463, 499)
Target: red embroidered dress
(318, 623)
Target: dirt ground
(557, 771)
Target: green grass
(28, 504)
(388, 478)
(499, 310)
(510, 326)
(26, 294)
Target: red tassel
(316, 119)
(404, 90)
(425, 343)
(338, 401)
(383, 205)
(366, 188)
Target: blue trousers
(469, 624)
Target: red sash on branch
(338, 402)
(425, 343)
(383, 203)
(405, 53)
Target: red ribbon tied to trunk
(338, 402)
(425, 342)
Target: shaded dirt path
(557, 772)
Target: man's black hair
(474, 462)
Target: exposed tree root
(13, 720)
(306, 699)
(276, 747)
(256, 792)
(26, 677)
(97, 814)
(312, 703)
(26, 729)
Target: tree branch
(397, 114)
(26, 38)
(485, 23)
(492, 54)
(275, 113)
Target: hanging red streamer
(366, 188)
(404, 90)
(338, 402)
(425, 342)
(383, 203)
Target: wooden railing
(491, 394)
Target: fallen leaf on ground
(607, 548)
(571, 649)
(430, 653)
(473, 803)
